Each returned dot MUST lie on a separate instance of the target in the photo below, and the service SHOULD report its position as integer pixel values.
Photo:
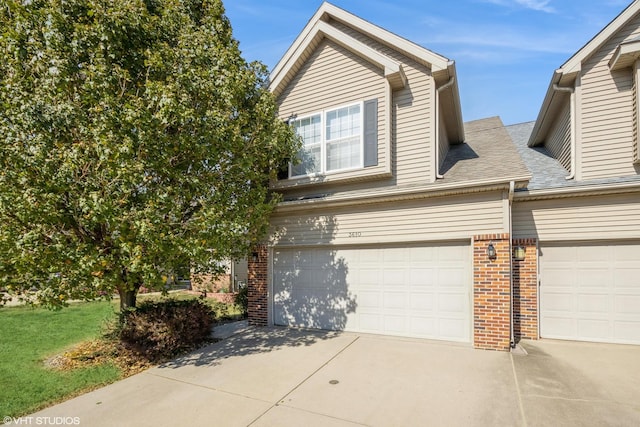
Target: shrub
(242, 300)
(162, 329)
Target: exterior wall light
(519, 253)
(254, 256)
(491, 252)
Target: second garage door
(590, 292)
(415, 291)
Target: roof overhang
(410, 193)
(319, 28)
(578, 191)
(625, 55)
(450, 102)
(551, 106)
(566, 75)
(574, 64)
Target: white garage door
(591, 292)
(406, 291)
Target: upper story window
(332, 141)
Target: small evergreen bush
(160, 330)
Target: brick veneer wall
(525, 291)
(258, 287)
(491, 293)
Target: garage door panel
(628, 305)
(451, 278)
(593, 276)
(421, 301)
(422, 278)
(627, 332)
(395, 300)
(395, 324)
(591, 292)
(393, 276)
(422, 326)
(368, 299)
(595, 330)
(625, 275)
(594, 304)
(559, 302)
(451, 303)
(419, 291)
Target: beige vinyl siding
(412, 115)
(433, 219)
(333, 77)
(559, 142)
(583, 218)
(607, 112)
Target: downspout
(437, 124)
(512, 338)
(572, 105)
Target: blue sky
(505, 50)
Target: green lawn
(30, 335)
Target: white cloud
(539, 5)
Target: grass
(28, 336)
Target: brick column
(258, 286)
(525, 291)
(491, 289)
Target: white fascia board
(536, 135)
(574, 64)
(295, 47)
(455, 93)
(326, 11)
(392, 69)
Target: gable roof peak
(319, 28)
(574, 64)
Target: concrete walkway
(287, 377)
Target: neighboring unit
(399, 219)
(586, 214)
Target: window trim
(323, 141)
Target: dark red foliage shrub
(159, 330)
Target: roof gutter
(395, 194)
(572, 114)
(586, 190)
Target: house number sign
(355, 234)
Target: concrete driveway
(287, 377)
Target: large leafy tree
(134, 139)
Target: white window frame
(323, 141)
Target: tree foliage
(134, 138)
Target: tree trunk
(127, 298)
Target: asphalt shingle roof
(488, 153)
(546, 171)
